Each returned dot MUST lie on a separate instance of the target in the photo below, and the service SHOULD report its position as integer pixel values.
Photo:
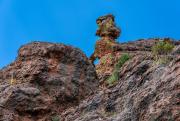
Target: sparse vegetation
(55, 118)
(114, 77)
(106, 59)
(162, 48)
(161, 51)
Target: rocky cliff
(55, 82)
(51, 82)
(145, 91)
(44, 80)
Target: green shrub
(161, 50)
(115, 77)
(122, 60)
(162, 60)
(55, 118)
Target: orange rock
(108, 32)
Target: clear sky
(73, 22)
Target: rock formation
(47, 78)
(55, 82)
(108, 32)
(145, 91)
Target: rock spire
(108, 33)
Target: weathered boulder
(44, 80)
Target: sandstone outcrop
(108, 31)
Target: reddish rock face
(44, 80)
(57, 82)
(145, 91)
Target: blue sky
(73, 22)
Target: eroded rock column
(108, 33)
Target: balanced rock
(107, 27)
(108, 31)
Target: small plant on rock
(161, 51)
(162, 48)
(107, 59)
(115, 77)
(55, 118)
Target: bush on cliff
(114, 77)
(161, 51)
(162, 48)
